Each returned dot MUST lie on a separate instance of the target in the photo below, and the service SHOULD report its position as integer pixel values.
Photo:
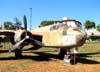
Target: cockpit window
(78, 25)
(73, 24)
(58, 26)
(55, 27)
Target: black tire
(18, 53)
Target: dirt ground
(44, 63)
(45, 66)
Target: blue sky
(80, 10)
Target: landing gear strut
(73, 60)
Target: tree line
(88, 24)
(8, 25)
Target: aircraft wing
(7, 32)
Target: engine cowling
(20, 34)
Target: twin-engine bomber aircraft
(64, 35)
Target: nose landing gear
(69, 58)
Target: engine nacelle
(20, 34)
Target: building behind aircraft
(93, 34)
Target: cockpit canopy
(64, 24)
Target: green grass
(86, 48)
(90, 50)
(90, 47)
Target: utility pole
(30, 17)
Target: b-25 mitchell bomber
(64, 35)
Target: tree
(17, 24)
(98, 27)
(45, 23)
(9, 25)
(89, 24)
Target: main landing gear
(18, 52)
(67, 56)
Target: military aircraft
(93, 35)
(64, 35)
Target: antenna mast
(30, 17)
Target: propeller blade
(37, 42)
(25, 25)
(25, 22)
(17, 45)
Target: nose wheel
(69, 58)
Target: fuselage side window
(64, 32)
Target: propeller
(14, 47)
(37, 42)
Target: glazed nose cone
(79, 36)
